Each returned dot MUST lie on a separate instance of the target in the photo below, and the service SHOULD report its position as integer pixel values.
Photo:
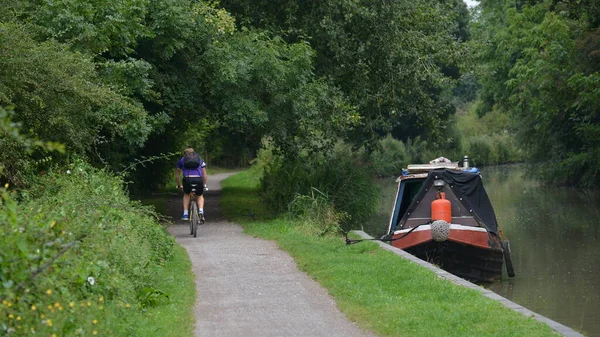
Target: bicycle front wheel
(194, 219)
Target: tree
(57, 95)
(386, 57)
(545, 75)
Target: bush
(347, 187)
(492, 149)
(481, 150)
(487, 140)
(316, 213)
(390, 158)
(76, 255)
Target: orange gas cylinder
(441, 209)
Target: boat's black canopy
(468, 188)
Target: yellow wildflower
(71, 304)
(95, 321)
(18, 318)
(11, 316)
(33, 307)
(49, 291)
(127, 305)
(42, 316)
(56, 304)
(95, 332)
(89, 304)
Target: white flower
(91, 280)
(68, 171)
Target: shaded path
(248, 286)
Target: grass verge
(176, 316)
(375, 288)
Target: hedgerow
(76, 255)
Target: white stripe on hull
(452, 227)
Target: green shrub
(316, 213)
(492, 149)
(487, 140)
(76, 256)
(390, 158)
(348, 186)
(481, 150)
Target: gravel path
(248, 286)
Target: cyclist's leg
(186, 198)
(200, 200)
(186, 201)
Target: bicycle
(195, 219)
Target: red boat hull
(468, 252)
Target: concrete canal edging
(562, 329)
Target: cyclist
(194, 172)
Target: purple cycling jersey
(191, 172)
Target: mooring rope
(385, 238)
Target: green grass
(176, 316)
(240, 195)
(377, 289)
(217, 170)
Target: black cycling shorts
(189, 181)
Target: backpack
(191, 160)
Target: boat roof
(466, 184)
(413, 171)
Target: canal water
(555, 240)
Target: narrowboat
(443, 215)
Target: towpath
(248, 286)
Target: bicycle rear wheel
(191, 220)
(194, 219)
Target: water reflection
(554, 235)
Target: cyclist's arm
(178, 176)
(204, 177)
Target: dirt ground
(248, 286)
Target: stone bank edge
(562, 329)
